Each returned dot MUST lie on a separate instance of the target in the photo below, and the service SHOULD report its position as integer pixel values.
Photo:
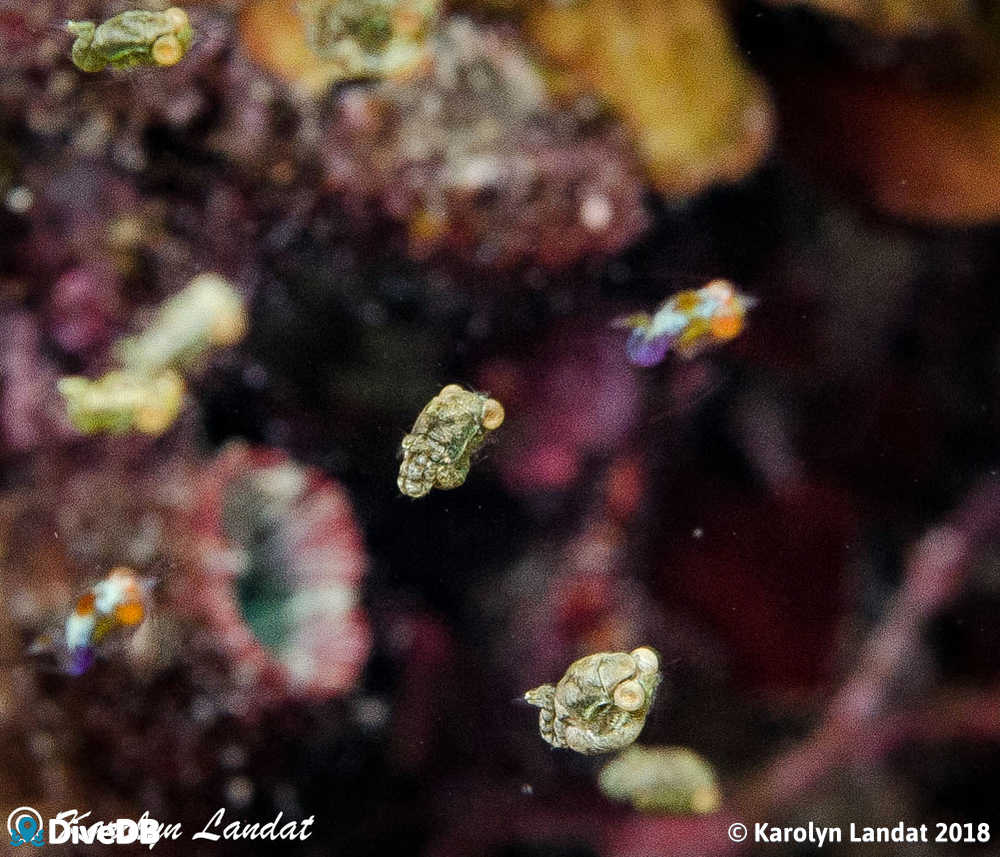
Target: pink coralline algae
(82, 307)
(30, 408)
(576, 398)
(279, 564)
(476, 159)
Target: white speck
(596, 212)
(697, 532)
(373, 314)
(371, 713)
(232, 757)
(19, 199)
(527, 789)
(239, 792)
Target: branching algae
(688, 322)
(119, 402)
(450, 428)
(661, 780)
(131, 39)
(377, 38)
(109, 612)
(601, 703)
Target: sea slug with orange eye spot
(688, 322)
(133, 38)
(437, 453)
(110, 611)
(601, 703)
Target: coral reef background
(805, 523)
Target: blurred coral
(276, 571)
(894, 17)
(479, 162)
(294, 40)
(924, 154)
(671, 69)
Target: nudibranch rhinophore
(130, 39)
(451, 427)
(109, 611)
(601, 703)
(688, 322)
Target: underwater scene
(500, 428)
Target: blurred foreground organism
(147, 395)
(601, 703)
(133, 38)
(208, 313)
(661, 780)
(450, 428)
(120, 402)
(107, 613)
(689, 323)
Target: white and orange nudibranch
(688, 322)
(111, 609)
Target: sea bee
(688, 322)
(109, 612)
(451, 427)
(601, 703)
(130, 39)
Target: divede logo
(68, 827)
(24, 825)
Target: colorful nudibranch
(688, 322)
(110, 610)
(133, 38)
(120, 402)
(601, 703)
(451, 427)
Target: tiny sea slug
(133, 38)
(110, 611)
(450, 428)
(688, 322)
(119, 402)
(601, 703)
(661, 780)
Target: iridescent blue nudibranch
(688, 322)
(110, 610)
